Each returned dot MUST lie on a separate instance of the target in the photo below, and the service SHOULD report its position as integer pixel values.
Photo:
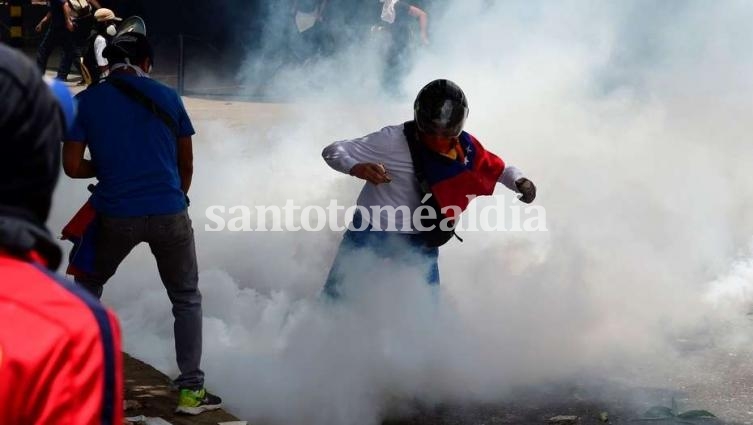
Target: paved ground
(725, 388)
(155, 397)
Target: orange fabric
(52, 370)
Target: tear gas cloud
(631, 118)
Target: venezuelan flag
(452, 181)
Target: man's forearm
(67, 12)
(186, 175)
(509, 176)
(68, 17)
(185, 162)
(423, 20)
(423, 25)
(85, 170)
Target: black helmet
(130, 45)
(441, 108)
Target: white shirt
(99, 46)
(304, 20)
(389, 147)
(388, 10)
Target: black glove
(527, 190)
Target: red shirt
(60, 352)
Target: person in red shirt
(60, 352)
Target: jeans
(53, 37)
(406, 249)
(171, 240)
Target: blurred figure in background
(60, 352)
(314, 37)
(60, 32)
(397, 15)
(68, 24)
(396, 18)
(82, 12)
(105, 28)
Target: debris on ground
(143, 420)
(563, 420)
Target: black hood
(20, 238)
(31, 129)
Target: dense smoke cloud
(632, 119)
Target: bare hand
(38, 28)
(373, 173)
(69, 25)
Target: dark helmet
(131, 45)
(441, 108)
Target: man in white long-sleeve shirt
(405, 163)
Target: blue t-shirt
(133, 152)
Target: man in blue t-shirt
(139, 137)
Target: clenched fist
(527, 190)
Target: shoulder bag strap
(144, 100)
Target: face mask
(111, 30)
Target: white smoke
(631, 118)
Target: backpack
(80, 8)
(436, 236)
